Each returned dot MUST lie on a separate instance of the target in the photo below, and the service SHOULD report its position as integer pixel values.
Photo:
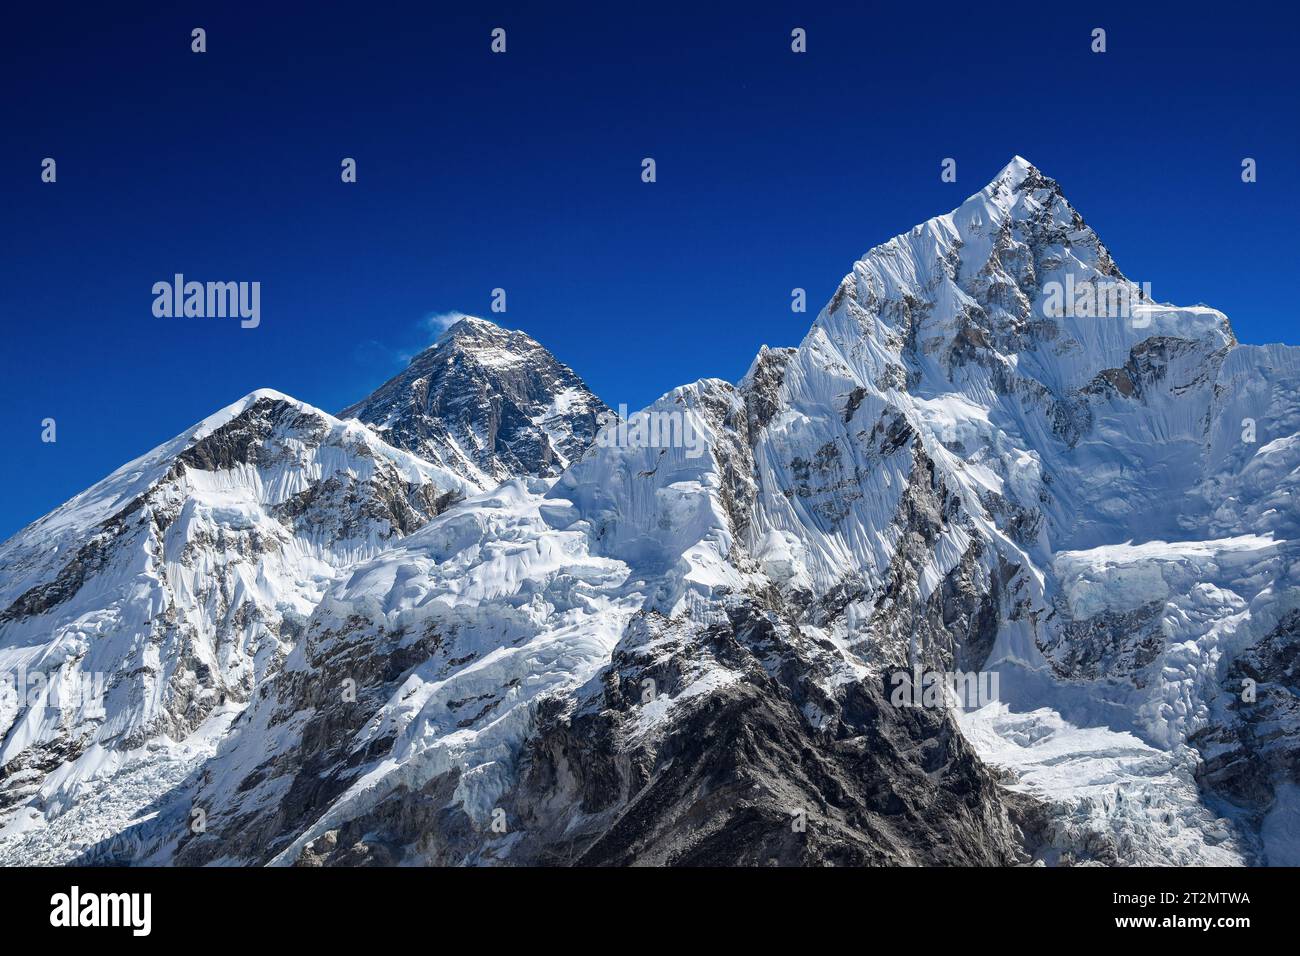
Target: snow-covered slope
(161, 596)
(485, 402)
(661, 656)
(523, 666)
(1085, 460)
(1096, 487)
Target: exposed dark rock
(485, 398)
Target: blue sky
(522, 171)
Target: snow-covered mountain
(486, 402)
(137, 619)
(144, 611)
(661, 656)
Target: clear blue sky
(522, 171)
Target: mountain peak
(1019, 192)
(483, 342)
(224, 416)
(1015, 172)
(1012, 282)
(487, 402)
(471, 326)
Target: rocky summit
(487, 403)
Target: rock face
(487, 403)
(745, 778)
(1252, 752)
(700, 645)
